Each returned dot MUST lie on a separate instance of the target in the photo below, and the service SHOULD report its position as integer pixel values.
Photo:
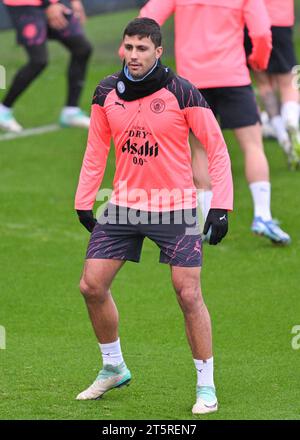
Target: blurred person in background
(36, 21)
(277, 85)
(209, 51)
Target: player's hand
(255, 65)
(87, 219)
(261, 51)
(78, 10)
(217, 220)
(56, 16)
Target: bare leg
(268, 87)
(284, 118)
(186, 282)
(290, 112)
(95, 286)
(286, 89)
(267, 93)
(256, 164)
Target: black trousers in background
(80, 50)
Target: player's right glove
(259, 58)
(217, 221)
(86, 218)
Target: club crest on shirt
(121, 87)
(157, 105)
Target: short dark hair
(144, 27)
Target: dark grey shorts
(235, 107)
(283, 57)
(120, 236)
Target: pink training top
(29, 2)
(209, 38)
(281, 12)
(153, 157)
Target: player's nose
(134, 54)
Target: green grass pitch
(251, 287)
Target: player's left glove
(87, 219)
(217, 220)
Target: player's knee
(189, 298)
(38, 58)
(87, 50)
(37, 65)
(83, 50)
(91, 291)
(265, 89)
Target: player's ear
(159, 52)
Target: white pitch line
(30, 132)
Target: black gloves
(87, 219)
(217, 220)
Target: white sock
(4, 109)
(111, 353)
(261, 195)
(204, 199)
(205, 372)
(290, 114)
(280, 129)
(69, 111)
